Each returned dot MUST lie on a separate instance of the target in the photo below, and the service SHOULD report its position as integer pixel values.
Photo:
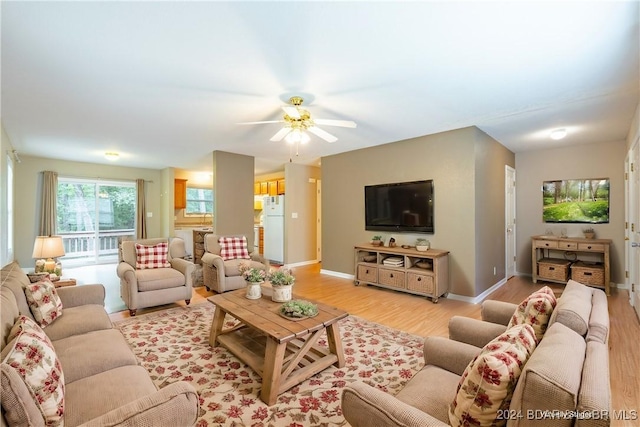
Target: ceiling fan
(297, 120)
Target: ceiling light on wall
(110, 155)
(557, 134)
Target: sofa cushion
(574, 307)
(33, 357)
(544, 384)
(599, 317)
(18, 406)
(535, 310)
(486, 386)
(16, 280)
(9, 313)
(595, 396)
(88, 354)
(79, 320)
(98, 394)
(233, 248)
(154, 256)
(431, 390)
(159, 278)
(44, 302)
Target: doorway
(510, 222)
(319, 220)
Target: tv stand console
(407, 270)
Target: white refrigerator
(273, 217)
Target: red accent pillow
(152, 256)
(233, 248)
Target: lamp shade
(48, 247)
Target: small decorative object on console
(376, 241)
(422, 245)
(589, 233)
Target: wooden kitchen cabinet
(180, 194)
(280, 186)
(273, 188)
(256, 188)
(264, 188)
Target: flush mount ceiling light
(557, 134)
(110, 155)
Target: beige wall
(603, 160)
(300, 199)
(28, 189)
(449, 158)
(233, 194)
(490, 160)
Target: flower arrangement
(299, 308)
(251, 274)
(282, 277)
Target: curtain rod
(100, 178)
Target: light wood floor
(420, 316)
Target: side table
(64, 282)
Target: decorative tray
(297, 319)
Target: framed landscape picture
(576, 201)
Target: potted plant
(422, 245)
(376, 240)
(254, 277)
(589, 233)
(298, 309)
(282, 281)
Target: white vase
(282, 293)
(254, 290)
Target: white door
(633, 228)
(510, 221)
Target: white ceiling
(165, 83)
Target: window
(93, 216)
(199, 201)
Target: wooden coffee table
(282, 351)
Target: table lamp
(48, 247)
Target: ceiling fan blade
(341, 123)
(322, 134)
(259, 123)
(291, 112)
(280, 134)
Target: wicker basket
(588, 273)
(367, 273)
(554, 269)
(422, 283)
(393, 278)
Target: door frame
(509, 206)
(632, 224)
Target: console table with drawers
(403, 269)
(556, 259)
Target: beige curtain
(49, 206)
(141, 220)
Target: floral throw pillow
(44, 302)
(155, 256)
(536, 311)
(34, 359)
(233, 248)
(487, 384)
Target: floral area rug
(173, 345)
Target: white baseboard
(301, 263)
(477, 299)
(337, 274)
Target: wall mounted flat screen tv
(404, 206)
(576, 201)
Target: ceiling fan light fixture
(558, 134)
(297, 136)
(112, 156)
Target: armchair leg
(133, 312)
(188, 301)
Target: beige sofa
(103, 383)
(567, 373)
(154, 286)
(220, 275)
